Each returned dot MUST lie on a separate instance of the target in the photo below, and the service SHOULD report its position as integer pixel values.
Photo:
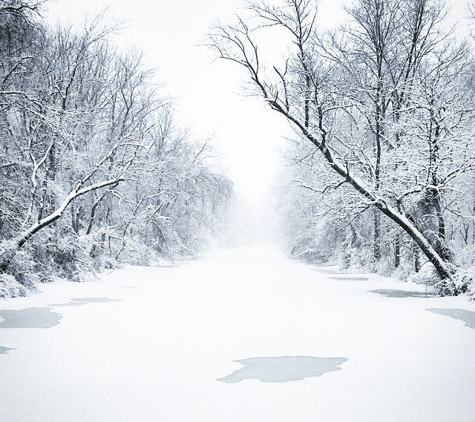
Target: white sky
(206, 93)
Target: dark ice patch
(402, 293)
(461, 314)
(349, 278)
(29, 318)
(326, 270)
(283, 369)
(83, 300)
(4, 350)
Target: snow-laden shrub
(464, 281)
(313, 255)
(385, 266)
(466, 256)
(10, 287)
(403, 272)
(133, 252)
(25, 270)
(357, 258)
(461, 283)
(427, 276)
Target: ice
(283, 368)
(29, 318)
(466, 316)
(402, 293)
(157, 354)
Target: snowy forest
(381, 168)
(94, 171)
(379, 175)
(237, 210)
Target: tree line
(93, 169)
(382, 109)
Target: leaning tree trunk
(444, 269)
(18, 242)
(235, 44)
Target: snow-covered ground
(162, 347)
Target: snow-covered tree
(384, 101)
(92, 171)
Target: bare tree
(93, 170)
(335, 94)
(78, 121)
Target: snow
(150, 344)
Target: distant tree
(361, 97)
(91, 169)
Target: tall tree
(92, 171)
(349, 97)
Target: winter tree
(93, 171)
(384, 101)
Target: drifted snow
(155, 341)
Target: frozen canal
(241, 335)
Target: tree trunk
(417, 263)
(21, 239)
(397, 250)
(376, 236)
(443, 268)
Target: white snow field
(159, 344)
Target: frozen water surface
(283, 369)
(401, 293)
(463, 315)
(95, 300)
(29, 318)
(157, 354)
(55, 305)
(85, 301)
(326, 270)
(349, 278)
